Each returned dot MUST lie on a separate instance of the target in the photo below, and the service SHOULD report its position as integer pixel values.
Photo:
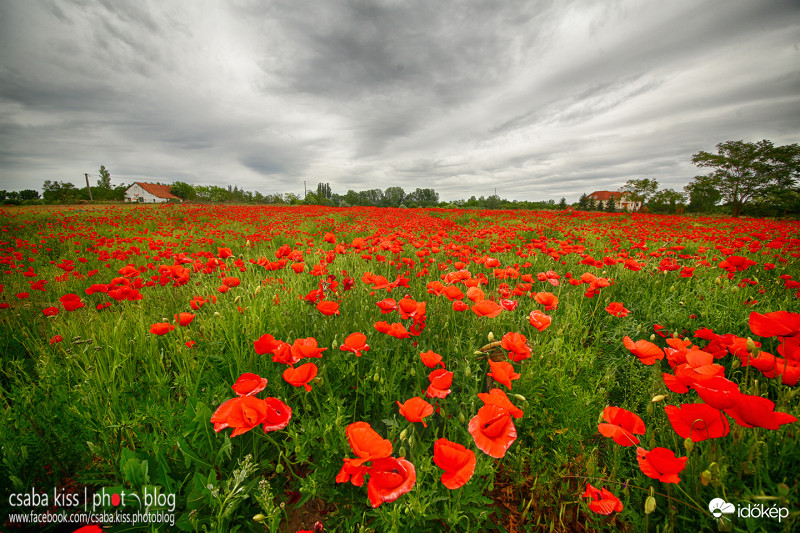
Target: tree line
(755, 179)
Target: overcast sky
(538, 99)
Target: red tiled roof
(604, 196)
(161, 191)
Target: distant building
(620, 198)
(149, 193)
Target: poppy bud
(279, 468)
(751, 346)
(688, 443)
(404, 434)
(247, 243)
(675, 335)
(376, 377)
(672, 288)
(216, 313)
(461, 417)
(259, 518)
(649, 505)
(718, 282)
(411, 441)
(734, 289)
(490, 336)
(520, 397)
(413, 372)
(258, 289)
(467, 371)
(705, 477)
(401, 452)
(652, 337)
(236, 300)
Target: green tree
(611, 205)
(640, 190)
(423, 197)
(393, 196)
(591, 203)
(105, 179)
(667, 200)
(743, 171)
(62, 192)
(28, 194)
(703, 194)
(583, 202)
(562, 204)
(182, 190)
(324, 191)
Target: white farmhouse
(149, 193)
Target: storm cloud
(536, 99)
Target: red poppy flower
(475, 294)
(516, 343)
(487, 308)
(242, 413)
(249, 384)
(161, 328)
(278, 414)
(300, 376)
(499, 398)
(431, 359)
(355, 343)
(547, 299)
(602, 501)
(387, 305)
(71, 302)
(441, 380)
(457, 461)
(617, 309)
(306, 348)
(184, 319)
(389, 478)
(190, 344)
(366, 443)
(661, 464)
(459, 306)
(407, 308)
(352, 472)
(224, 253)
(493, 430)
(698, 421)
(267, 344)
(91, 528)
(539, 320)
(415, 409)
(22, 295)
(717, 391)
(647, 352)
(396, 330)
(508, 305)
(755, 411)
(503, 372)
(328, 308)
(452, 292)
(55, 339)
(776, 324)
(621, 425)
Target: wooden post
(88, 188)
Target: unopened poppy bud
(247, 243)
(490, 336)
(258, 289)
(236, 300)
(519, 397)
(652, 337)
(461, 417)
(404, 434)
(734, 289)
(217, 313)
(279, 468)
(751, 346)
(649, 505)
(718, 282)
(688, 443)
(672, 288)
(658, 398)
(467, 371)
(675, 335)
(411, 441)
(413, 372)
(705, 477)
(638, 328)
(259, 518)
(401, 452)
(376, 377)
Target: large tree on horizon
(743, 171)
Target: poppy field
(363, 369)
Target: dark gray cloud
(538, 99)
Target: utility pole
(305, 193)
(87, 186)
